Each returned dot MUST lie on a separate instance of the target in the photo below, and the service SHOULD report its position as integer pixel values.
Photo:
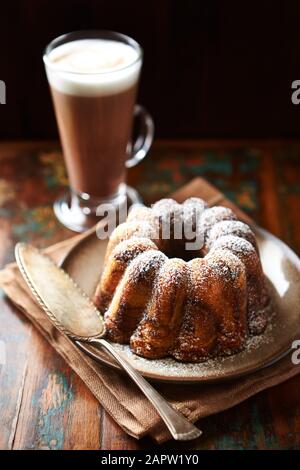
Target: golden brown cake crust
(164, 301)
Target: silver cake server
(72, 312)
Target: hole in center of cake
(179, 233)
(183, 248)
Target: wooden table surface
(43, 404)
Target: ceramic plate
(282, 269)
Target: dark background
(212, 68)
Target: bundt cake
(167, 298)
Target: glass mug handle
(143, 142)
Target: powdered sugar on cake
(194, 306)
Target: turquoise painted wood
(43, 404)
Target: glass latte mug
(93, 78)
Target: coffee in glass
(93, 77)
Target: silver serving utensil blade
(72, 312)
(63, 301)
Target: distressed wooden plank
(283, 400)
(289, 190)
(284, 415)
(51, 407)
(57, 409)
(268, 194)
(15, 335)
(15, 338)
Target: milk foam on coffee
(93, 67)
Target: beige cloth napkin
(116, 393)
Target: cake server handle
(180, 428)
